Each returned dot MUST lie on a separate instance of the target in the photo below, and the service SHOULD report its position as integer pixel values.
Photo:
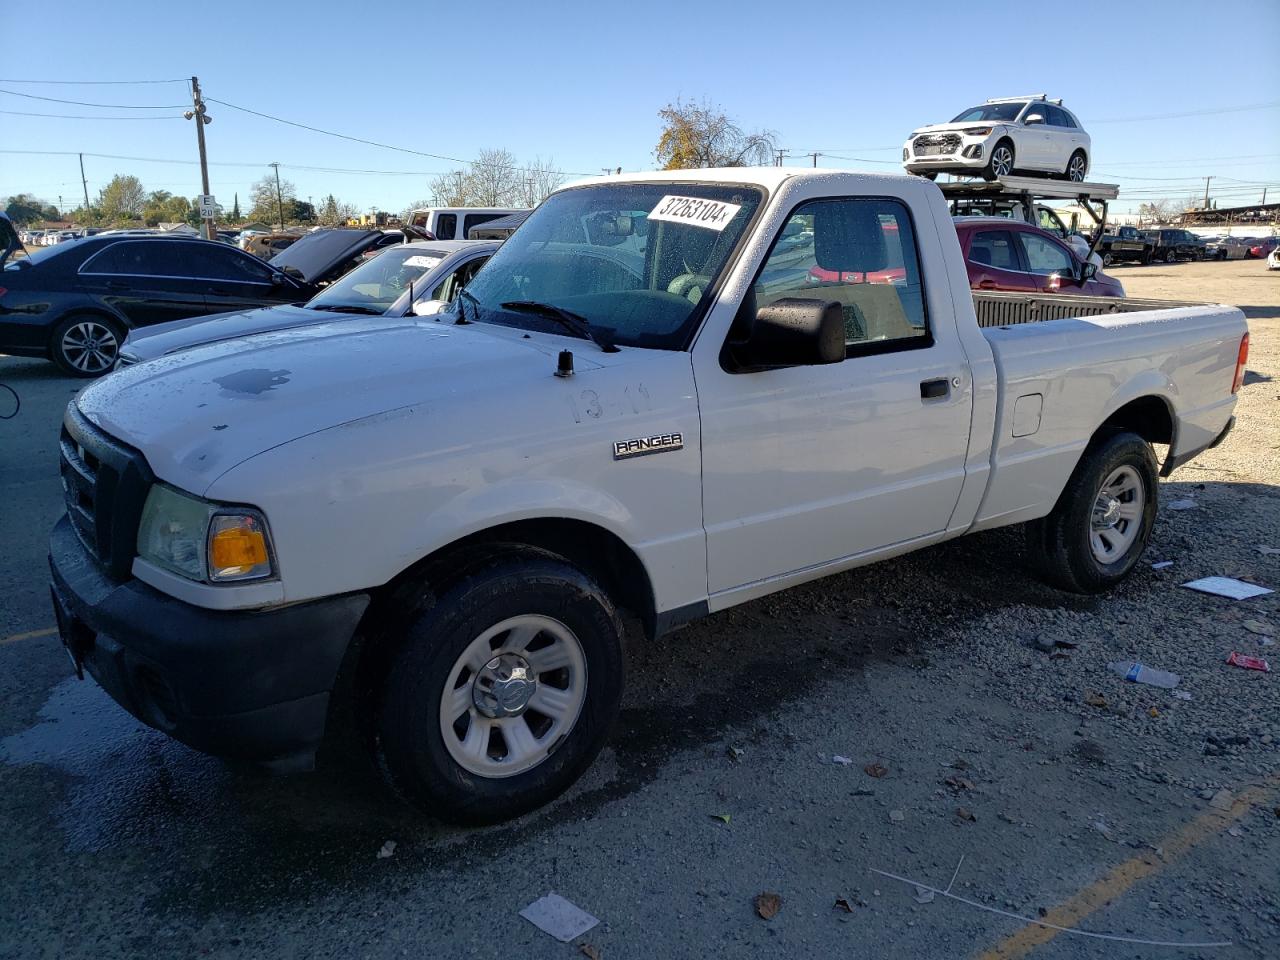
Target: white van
(455, 223)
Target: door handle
(986, 284)
(116, 285)
(935, 389)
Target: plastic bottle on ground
(1137, 673)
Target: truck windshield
(635, 261)
(376, 284)
(991, 112)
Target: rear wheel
(1000, 163)
(1102, 521)
(1108, 259)
(504, 690)
(1077, 167)
(1170, 255)
(86, 345)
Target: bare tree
(702, 135)
(495, 182)
(538, 180)
(265, 202)
(451, 189)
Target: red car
(1004, 254)
(1264, 247)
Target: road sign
(208, 206)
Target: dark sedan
(75, 302)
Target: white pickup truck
(668, 393)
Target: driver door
(806, 466)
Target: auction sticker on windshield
(695, 211)
(417, 260)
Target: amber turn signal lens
(238, 548)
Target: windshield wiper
(339, 308)
(571, 321)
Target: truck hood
(147, 343)
(196, 414)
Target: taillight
(1241, 359)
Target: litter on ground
(555, 915)
(1227, 587)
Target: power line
(72, 116)
(109, 106)
(1194, 113)
(231, 163)
(371, 143)
(85, 83)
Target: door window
(155, 258)
(1044, 256)
(1054, 116)
(475, 219)
(218, 264)
(994, 248)
(862, 254)
(449, 287)
(446, 226)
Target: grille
(105, 484)
(931, 145)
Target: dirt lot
(1017, 771)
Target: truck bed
(1004, 309)
(1063, 361)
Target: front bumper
(969, 153)
(248, 684)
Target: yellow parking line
(29, 635)
(1119, 879)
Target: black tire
(1170, 255)
(1108, 259)
(1146, 257)
(928, 174)
(1058, 546)
(1078, 160)
(86, 344)
(410, 746)
(997, 159)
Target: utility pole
(815, 159)
(1206, 192)
(85, 183)
(279, 198)
(197, 113)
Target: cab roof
(768, 177)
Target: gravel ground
(983, 695)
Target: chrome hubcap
(1117, 515)
(90, 347)
(513, 695)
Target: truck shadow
(254, 839)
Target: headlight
(203, 541)
(977, 132)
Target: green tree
(164, 207)
(123, 198)
(52, 213)
(235, 210)
(23, 208)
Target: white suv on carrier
(1023, 134)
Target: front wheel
(1170, 256)
(86, 345)
(1108, 259)
(1000, 163)
(504, 690)
(1102, 521)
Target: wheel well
(591, 548)
(1148, 417)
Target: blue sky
(581, 83)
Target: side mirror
(793, 332)
(1088, 270)
(1033, 118)
(428, 308)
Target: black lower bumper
(247, 684)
